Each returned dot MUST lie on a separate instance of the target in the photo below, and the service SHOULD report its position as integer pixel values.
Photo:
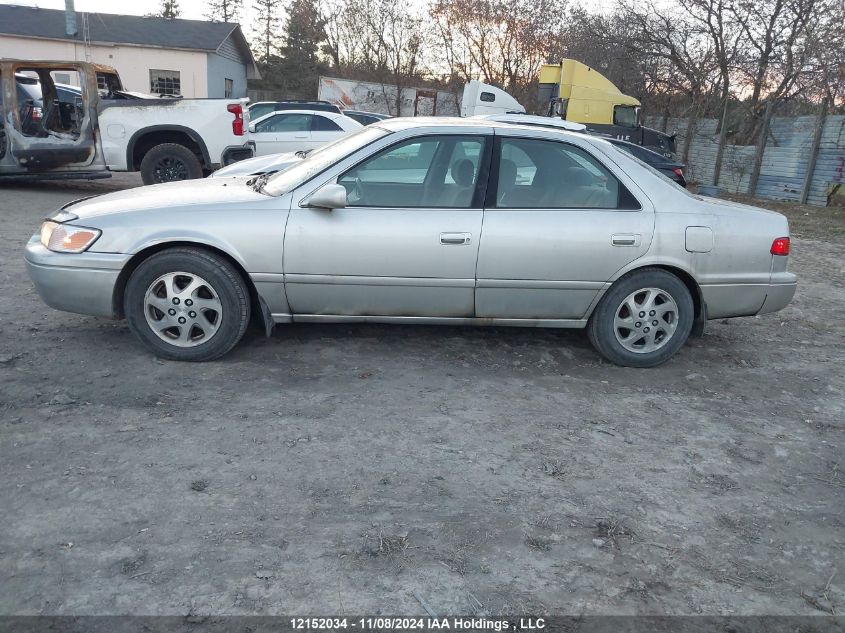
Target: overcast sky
(191, 9)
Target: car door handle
(300, 136)
(625, 239)
(451, 239)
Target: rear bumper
(779, 295)
(737, 300)
(81, 282)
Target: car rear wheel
(643, 320)
(187, 304)
(170, 162)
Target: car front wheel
(643, 320)
(187, 304)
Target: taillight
(678, 172)
(780, 246)
(36, 113)
(238, 124)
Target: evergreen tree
(224, 10)
(169, 9)
(266, 26)
(304, 32)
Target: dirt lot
(351, 469)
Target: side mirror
(252, 127)
(328, 197)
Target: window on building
(165, 82)
(228, 88)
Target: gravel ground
(345, 469)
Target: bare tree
(775, 52)
(378, 40)
(688, 67)
(502, 42)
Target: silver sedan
(448, 221)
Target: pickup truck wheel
(187, 304)
(643, 319)
(170, 162)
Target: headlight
(65, 238)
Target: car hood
(257, 165)
(188, 193)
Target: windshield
(320, 160)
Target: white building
(191, 58)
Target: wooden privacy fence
(802, 157)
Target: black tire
(221, 285)
(602, 330)
(170, 162)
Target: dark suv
(259, 109)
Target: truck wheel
(643, 319)
(170, 162)
(187, 304)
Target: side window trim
(493, 185)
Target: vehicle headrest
(463, 172)
(578, 176)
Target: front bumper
(80, 282)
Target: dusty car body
(447, 221)
(259, 165)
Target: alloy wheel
(170, 169)
(182, 309)
(646, 320)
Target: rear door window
(324, 124)
(543, 174)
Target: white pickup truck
(51, 130)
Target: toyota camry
(447, 221)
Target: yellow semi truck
(575, 92)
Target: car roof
(325, 113)
(533, 119)
(380, 115)
(403, 123)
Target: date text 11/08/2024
(381, 623)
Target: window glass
(539, 174)
(165, 82)
(433, 171)
(258, 110)
(285, 123)
(320, 160)
(626, 116)
(228, 88)
(324, 124)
